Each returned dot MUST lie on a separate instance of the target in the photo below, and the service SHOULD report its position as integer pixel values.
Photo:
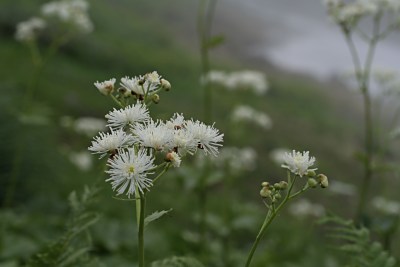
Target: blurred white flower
(246, 113)
(110, 142)
(106, 87)
(129, 169)
(298, 163)
(130, 115)
(386, 206)
(237, 159)
(342, 188)
(239, 80)
(207, 137)
(74, 12)
(82, 160)
(89, 126)
(278, 155)
(304, 207)
(27, 30)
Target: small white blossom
(207, 137)
(132, 85)
(129, 169)
(130, 115)
(298, 163)
(82, 160)
(278, 155)
(176, 122)
(386, 206)
(153, 78)
(174, 158)
(106, 87)
(89, 126)
(154, 135)
(110, 142)
(27, 30)
(74, 12)
(304, 208)
(239, 80)
(246, 113)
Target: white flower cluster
(298, 163)
(74, 12)
(135, 140)
(147, 85)
(347, 14)
(239, 80)
(237, 159)
(27, 30)
(246, 113)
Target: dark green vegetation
(132, 38)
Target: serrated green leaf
(155, 216)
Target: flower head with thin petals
(129, 169)
(110, 142)
(154, 135)
(132, 85)
(298, 163)
(27, 30)
(130, 115)
(207, 137)
(106, 87)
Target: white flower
(106, 87)
(119, 118)
(70, 11)
(89, 126)
(154, 135)
(386, 206)
(132, 85)
(153, 78)
(304, 208)
(110, 142)
(298, 162)
(176, 122)
(174, 158)
(278, 155)
(26, 30)
(129, 169)
(246, 113)
(82, 160)
(207, 137)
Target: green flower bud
(311, 173)
(277, 186)
(165, 84)
(283, 185)
(124, 92)
(265, 184)
(155, 98)
(265, 192)
(312, 182)
(323, 180)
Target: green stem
(141, 229)
(162, 173)
(270, 217)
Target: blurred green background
(132, 38)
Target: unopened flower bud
(165, 84)
(283, 185)
(323, 180)
(278, 196)
(312, 182)
(265, 184)
(106, 87)
(174, 158)
(277, 186)
(265, 192)
(155, 98)
(124, 92)
(311, 173)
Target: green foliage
(357, 244)
(67, 250)
(155, 216)
(177, 262)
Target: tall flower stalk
(141, 150)
(348, 16)
(298, 165)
